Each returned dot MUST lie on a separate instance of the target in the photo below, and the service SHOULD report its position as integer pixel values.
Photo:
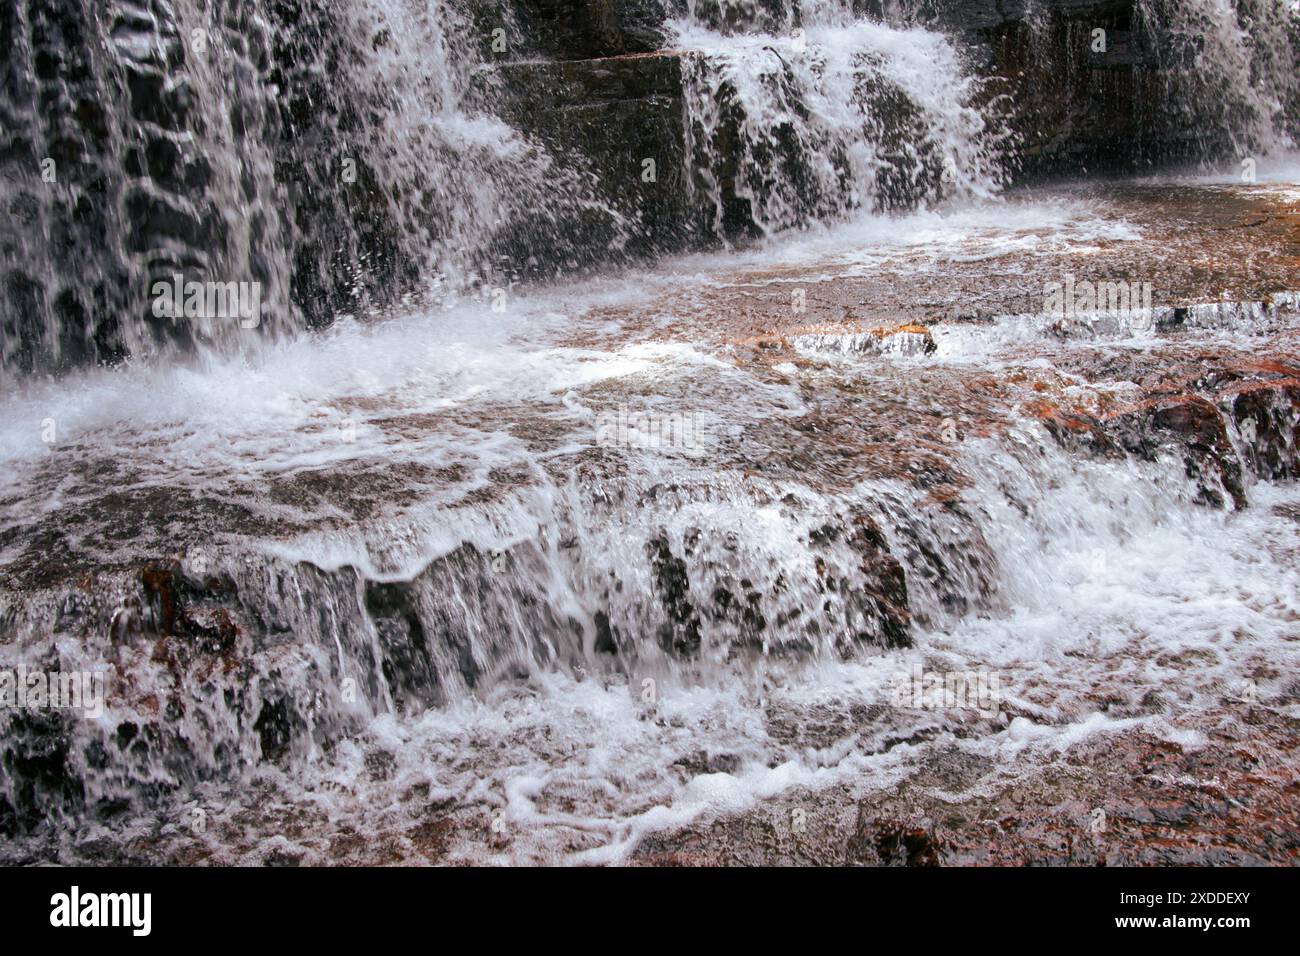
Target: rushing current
(484, 519)
(336, 154)
(807, 113)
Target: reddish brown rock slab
(1126, 799)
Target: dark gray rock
(623, 117)
(584, 29)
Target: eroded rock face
(623, 120)
(1199, 428)
(1235, 417)
(1267, 417)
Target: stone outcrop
(622, 118)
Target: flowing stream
(576, 560)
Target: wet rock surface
(618, 113)
(254, 620)
(1132, 801)
(588, 29)
(133, 133)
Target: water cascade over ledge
(635, 412)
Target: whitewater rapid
(1103, 598)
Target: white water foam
(841, 114)
(1128, 608)
(1102, 583)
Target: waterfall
(127, 156)
(404, 488)
(347, 158)
(337, 155)
(1231, 72)
(812, 112)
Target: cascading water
(346, 157)
(127, 156)
(335, 155)
(810, 112)
(393, 546)
(1231, 69)
(632, 550)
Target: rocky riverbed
(631, 569)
